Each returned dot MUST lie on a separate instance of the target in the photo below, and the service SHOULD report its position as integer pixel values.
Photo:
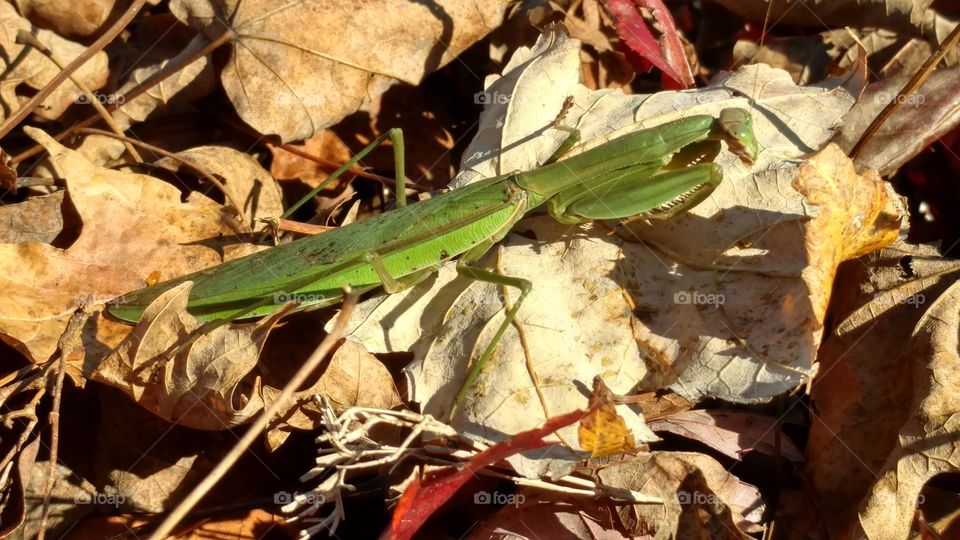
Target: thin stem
(28, 39)
(915, 82)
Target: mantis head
(736, 127)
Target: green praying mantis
(655, 173)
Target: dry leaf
(352, 378)
(192, 82)
(701, 499)
(199, 386)
(744, 318)
(70, 500)
(150, 229)
(884, 392)
(539, 515)
(37, 219)
(243, 178)
(67, 19)
(603, 432)
(291, 72)
(932, 112)
(25, 65)
(732, 433)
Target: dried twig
(257, 428)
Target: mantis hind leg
(465, 269)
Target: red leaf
(422, 499)
(666, 53)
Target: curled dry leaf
(700, 498)
(243, 178)
(885, 393)
(25, 65)
(150, 230)
(73, 19)
(198, 386)
(292, 74)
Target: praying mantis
(655, 173)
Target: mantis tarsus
(648, 174)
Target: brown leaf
(884, 394)
(922, 118)
(78, 19)
(150, 229)
(549, 517)
(701, 499)
(352, 378)
(200, 385)
(603, 432)
(243, 178)
(37, 219)
(35, 70)
(733, 433)
(291, 72)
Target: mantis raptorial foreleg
(621, 199)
